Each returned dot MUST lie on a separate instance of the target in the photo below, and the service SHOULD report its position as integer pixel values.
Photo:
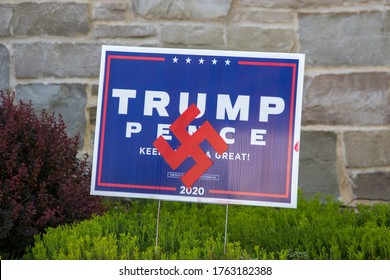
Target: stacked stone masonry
(50, 54)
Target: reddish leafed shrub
(43, 182)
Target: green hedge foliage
(318, 229)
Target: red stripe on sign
(129, 186)
(260, 63)
(249, 193)
(150, 58)
(290, 140)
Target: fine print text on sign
(198, 125)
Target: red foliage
(43, 182)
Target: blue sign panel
(198, 125)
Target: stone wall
(50, 53)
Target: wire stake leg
(157, 226)
(226, 228)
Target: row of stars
(201, 61)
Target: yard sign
(198, 125)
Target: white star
(175, 59)
(214, 61)
(201, 61)
(188, 60)
(227, 62)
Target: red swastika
(190, 146)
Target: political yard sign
(198, 125)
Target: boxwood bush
(318, 229)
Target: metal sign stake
(226, 227)
(157, 226)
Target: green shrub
(317, 229)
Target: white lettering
(225, 131)
(123, 95)
(158, 100)
(163, 130)
(191, 129)
(132, 127)
(257, 137)
(200, 103)
(148, 151)
(241, 107)
(233, 156)
(270, 106)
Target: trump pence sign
(198, 125)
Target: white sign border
(199, 199)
